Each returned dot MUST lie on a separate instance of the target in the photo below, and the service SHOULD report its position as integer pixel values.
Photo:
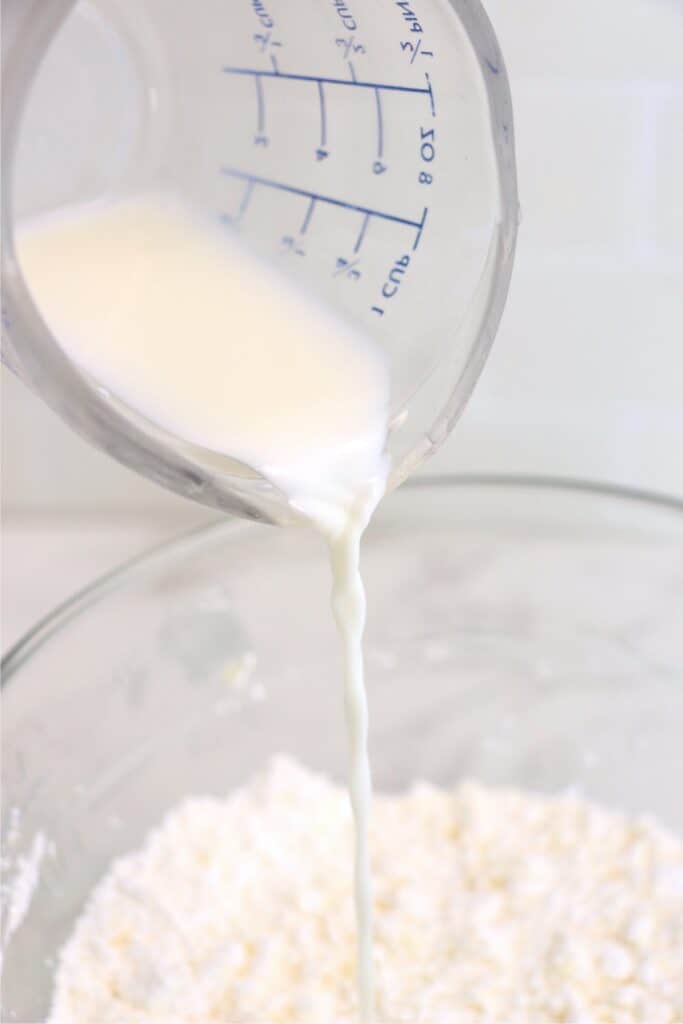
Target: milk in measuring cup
(169, 314)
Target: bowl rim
(38, 634)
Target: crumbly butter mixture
(493, 906)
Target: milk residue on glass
(168, 313)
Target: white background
(586, 375)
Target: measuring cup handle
(28, 27)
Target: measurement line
(420, 228)
(323, 116)
(273, 61)
(332, 81)
(361, 235)
(260, 105)
(380, 125)
(431, 94)
(307, 218)
(232, 172)
(352, 72)
(246, 198)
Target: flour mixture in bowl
(491, 905)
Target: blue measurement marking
(260, 105)
(431, 94)
(361, 235)
(245, 201)
(323, 116)
(420, 228)
(352, 72)
(416, 51)
(346, 268)
(333, 81)
(273, 61)
(307, 218)
(232, 172)
(380, 125)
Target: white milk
(172, 317)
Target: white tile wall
(669, 169)
(586, 376)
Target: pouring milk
(166, 312)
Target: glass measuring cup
(368, 153)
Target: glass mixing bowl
(525, 633)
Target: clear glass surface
(369, 155)
(519, 633)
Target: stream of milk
(171, 316)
